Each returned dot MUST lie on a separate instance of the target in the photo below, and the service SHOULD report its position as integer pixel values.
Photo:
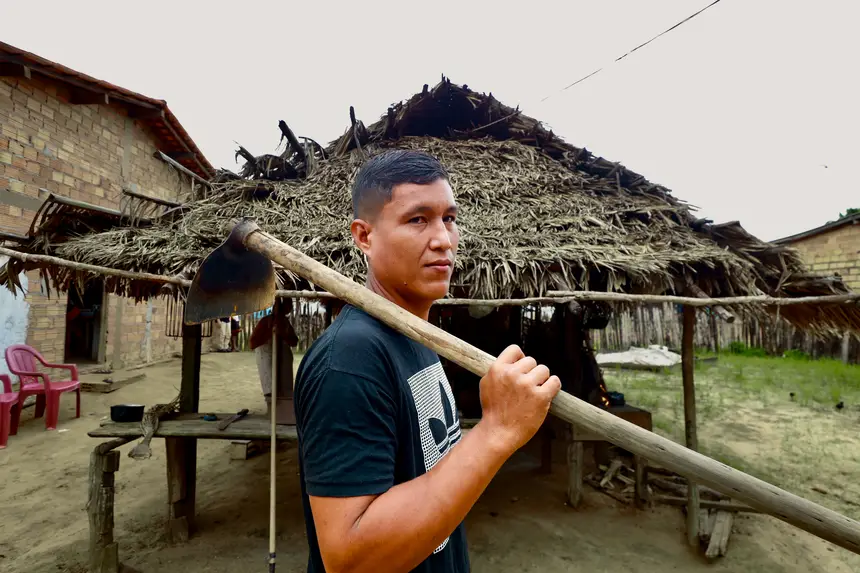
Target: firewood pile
(662, 486)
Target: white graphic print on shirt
(438, 422)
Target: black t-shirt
(373, 409)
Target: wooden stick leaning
(273, 448)
(797, 511)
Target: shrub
(742, 349)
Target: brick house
(831, 249)
(73, 146)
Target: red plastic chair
(10, 411)
(21, 360)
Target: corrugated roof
(154, 113)
(849, 220)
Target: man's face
(411, 243)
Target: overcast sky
(748, 112)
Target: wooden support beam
(640, 486)
(575, 461)
(690, 437)
(546, 447)
(146, 113)
(181, 487)
(554, 299)
(182, 452)
(189, 391)
(718, 310)
(178, 166)
(180, 155)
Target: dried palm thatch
(537, 214)
(528, 225)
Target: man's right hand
(515, 398)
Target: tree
(849, 212)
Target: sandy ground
(520, 524)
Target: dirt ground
(520, 524)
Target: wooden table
(180, 434)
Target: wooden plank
(706, 504)
(690, 437)
(107, 388)
(251, 427)
(720, 537)
(574, 472)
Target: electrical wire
(642, 45)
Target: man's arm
(398, 529)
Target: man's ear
(361, 230)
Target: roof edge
(851, 219)
(55, 72)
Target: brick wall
(88, 153)
(836, 251)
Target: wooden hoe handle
(797, 511)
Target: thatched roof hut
(537, 214)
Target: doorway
(84, 324)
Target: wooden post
(189, 390)
(104, 555)
(328, 312)
(546, 446)
(574, 468)
(690, 438)
(182, 452)
(640, 486)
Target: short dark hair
(381, 173)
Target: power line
(582, 79)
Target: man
(235, 327)
(261, 344)
(386, 477)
